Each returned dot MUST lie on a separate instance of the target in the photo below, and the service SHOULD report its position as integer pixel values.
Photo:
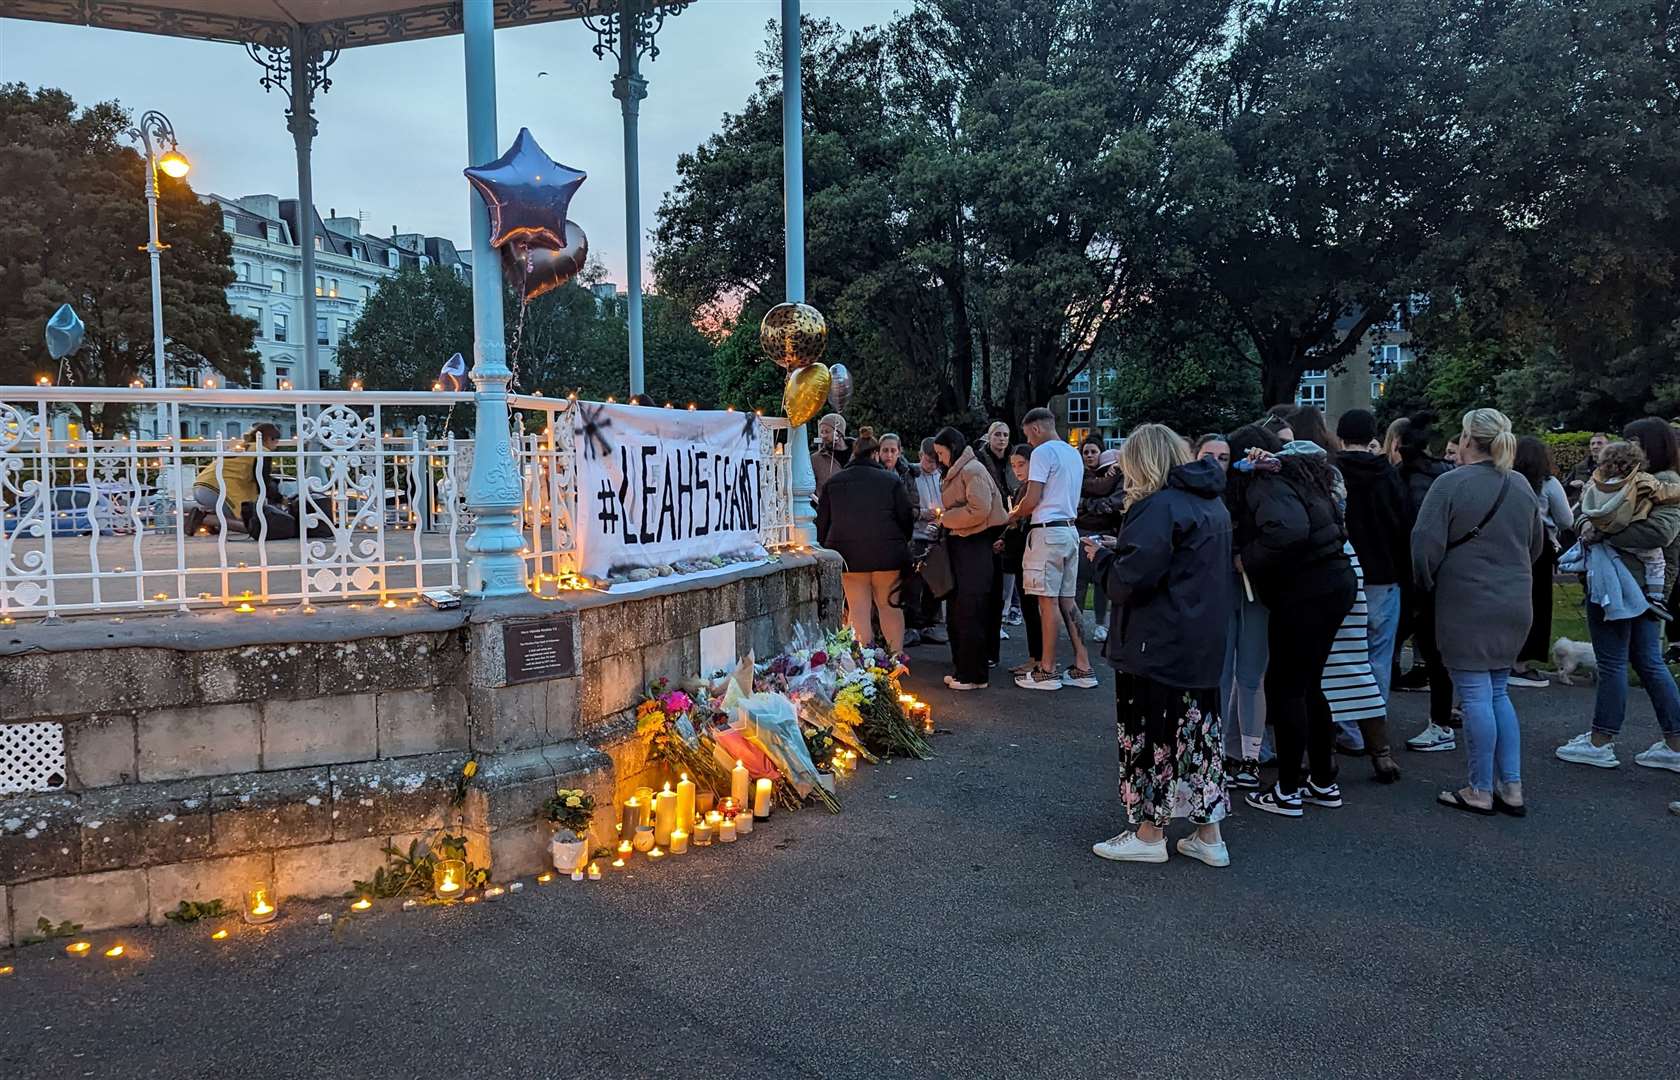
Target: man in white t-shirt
(1050, 568)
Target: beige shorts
(1050, 566)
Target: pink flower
(819, 658)
(678, 702)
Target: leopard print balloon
(793, 335)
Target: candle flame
(78, 948)
(218, 935)
(114, 951)
(361, 905)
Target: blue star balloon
(527, 193)
(64, 332)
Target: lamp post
(155, 125)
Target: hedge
(1569, 448)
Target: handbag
(935, 568)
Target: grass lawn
(1569, 619)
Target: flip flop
(1518, 810)
(1456, 801)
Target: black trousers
(970, 607)
(1422, 606)
(1299, 638)
(995, 600)
(1538, 646)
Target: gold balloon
(793, 335)
(806, 393)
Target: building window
(391, 257)
(233, 429)
(367, 293)
(244, 271)
(227, 224)
(332, 288)
(277, 278)
(318, 245)
(1079, 410)
(279, 326)
(204, 429)
(1311, 394)
(320, 285)
(281, 374)
(255, 315)
(1081, 383)
(343, 330)
(321, 330)
(1313, 373)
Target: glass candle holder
(449, 879)
(260, 903)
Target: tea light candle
(726, 831)
(664, 816)
(685, 803)
(517, 886)
(78, 948)
(657, 853)
(545, 878)
(679, 841)
(408, 905)
(761, 799)
(618, 864)
(704, 831)
(362, 904)
(594, 871)
(449, 878)
(743, 824)
(259, 903)
(221, 935)
(739, 782)
(494, 892)
(577, 874)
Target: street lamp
(155, 125)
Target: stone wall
(292, 752)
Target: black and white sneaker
(1314, 795)
(1274, 801)
(1243, 775)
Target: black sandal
(1513, 809)
(1457, 802)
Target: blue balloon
(527, 193)
(64, 332)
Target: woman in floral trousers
(1168, 574)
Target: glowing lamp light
(449, 878)
(43, 380)
(78, 948)
(260, 904)
(135, 384)
(355, 384)
(210, 383)
(114, 951)
(437, 386)
(174, 165)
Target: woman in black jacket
(1168, 575)
(1418, 472)
(1292, 536)
(864, 514)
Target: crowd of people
(1316, 555)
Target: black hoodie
(1379, 521)
(1169, 576)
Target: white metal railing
(108, 524)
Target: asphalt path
(952, 922)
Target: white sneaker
(1659, 757)
(1085, 680)
(1038, 679)
(1128, 848)
(1433, 738)
(1674, 807)
(956, 684)
(1212, 854)
(1581, 751)
(1100, 633)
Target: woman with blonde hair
(1477, 536)
(1168, 574)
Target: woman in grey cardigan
(1475, 542)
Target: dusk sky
(392, 137)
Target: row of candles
(918, 711)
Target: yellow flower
(574, 801)
(469, 769)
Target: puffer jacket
(1101, 502)
(971, 497)
(1378, 522)
(1287, 538)
(1418, 476)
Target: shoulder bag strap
(1494, 509)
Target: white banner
(657, 487)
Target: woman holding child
(1647, 535)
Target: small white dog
(1574, 657)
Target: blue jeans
(1490, 723)
(1240, 682)
(1617, 644)
(1383, 603)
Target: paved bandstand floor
(952, 922)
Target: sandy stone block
(101, 751)
(97, 901)
(204, 880)
(422, 721)
(175, 744)
(327, 869)
(320, 731)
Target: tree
(71, 225)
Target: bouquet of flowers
(678, 731)
(866, 701)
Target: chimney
(332, 212)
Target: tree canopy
(72, 230)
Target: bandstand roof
(342, 24)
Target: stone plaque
(539, 650)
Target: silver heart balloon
(839, 387)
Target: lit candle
(739, 781)
(220, 935)
(664, 816)
(625, 848)
(618, 864)
(657, 853)
(544, 878)
(361, 904)
(78, 948)
(632, 817)
(259, 903)
(594, 871)
(685, 803)
(577, 874)
(743, 824)
(679, 841)
(704, 831)
(449, 877)
(761, 799)
(726, 831)
(114, 951)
